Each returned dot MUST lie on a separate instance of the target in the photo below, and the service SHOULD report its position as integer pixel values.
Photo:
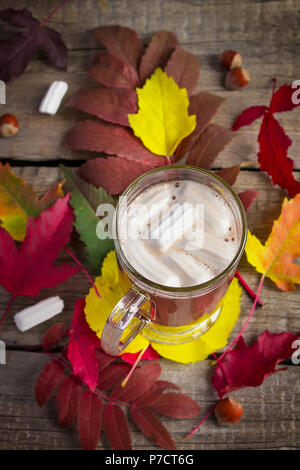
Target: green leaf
(85, 199)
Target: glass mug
(148, 304)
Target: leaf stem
(84, 270)
(138, 359)
(202, 421)
(53, 12)
(170, 161)
(248, 288)
(7, 308)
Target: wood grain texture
(23, 425)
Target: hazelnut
(231, 59)
(9, 125)
(237, 78)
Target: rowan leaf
(81, 349)
(184, 67)
(54, 335)
(112, 375)
(85, 200)
(110, 104)
(116, 427)
(67, 400)
(113, 174)
(89, 420)
(229, 174)
(162, 120)
(110, 71)
(139, 382)
(152, 427)
(249, 366)
(104, 359)
(155, 392)
(176, 405)
(47, 381)
(27, 270)
(121, 42)
(18, 201)
(275, 258)
(157, 53)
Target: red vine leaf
(81, 349)
(248, 197)
(67, 400)
(152, 427)
(112, 173)
(249, 366)
(89, 420)
(113, 72)
(110, 104)
(184, 67)
(157, 53)
(121, 42)
(54, 335)
(140, 381)
(113, 375)
(229, 174)
(47, 381)
(176, 405)
(100, 136)
(116, 427)
(248, 116)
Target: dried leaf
(176, 405)
(157, 53)
(121, 42)
(53, 336)
(110, 71)
(67, 400)
(140, 381)
(184, 67)
(112, 375)
(248, 197)
(229, 174)
(248, 366)
(89, 420)
(152, 427)
(47, 381)
(162, 120)
(275, 259)
(110, 104)
(116, 427)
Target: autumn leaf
(112, 375)
(275, 259)
(110, 71)
(229, 174)
(152, 427)
(89, 420)
(162, 120)
(47, 381)
(176, 405)
(17, 50)
(249, 366)
(18, 201)
(157, 53)
(139, 383)
(85, 200)
(116, 427)
(27, 270)
(149, 355)
(67, 400)
(248, 197)
(53, 336)
(184, 67)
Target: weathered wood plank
(281, 311)
(271, 417)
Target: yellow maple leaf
(162, 120)
(113, 285)
(275, 259)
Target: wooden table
(267, 34)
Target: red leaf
(155, 392)
(53, 336)
(248, 116)
(204, 105)
(103, 359)
(157, 53)
(152, 427)
(113, 174)
(210, 143)
(110, 104)
(282, 99)
(150, 355)
(113, 72)
(112, 375)
(176, 405)
(184, 67)
(140, 381)
(121, 42)
(272, 156)
(81, 349)
(67, 400)
(114, 140)
(47, 381)
(229, 174)
(116, 427)
(27, 270)
(248, 366)
(89, 420)
(248, 197)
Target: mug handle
(120, 318)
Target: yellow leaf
(162, 120)
(113, 284)
(275, 258)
